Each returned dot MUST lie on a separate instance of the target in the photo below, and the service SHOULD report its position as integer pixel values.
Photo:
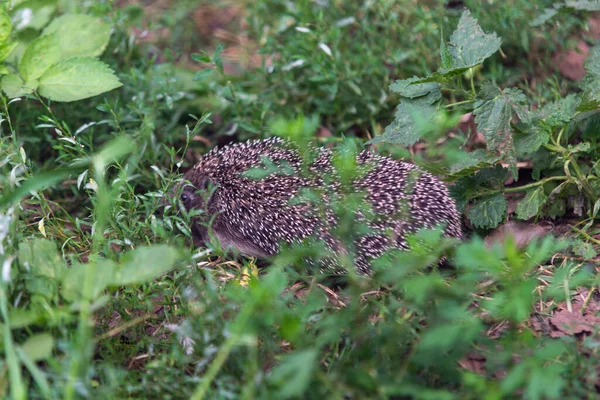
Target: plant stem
(524, 187)
(459, 103)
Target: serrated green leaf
(5, 26)
(144, 264)
(530, 142)
(591, 83)
(40, 257)
(443, 75)
(408, 88)
(532, 203)
(414, 115)
(445, 54)
(77, 78)
(39, 347)
(558, 113)
(469, 44)
(14, 86)
(6, 49)
(80, 35)
(410, 124)
(583, 5)
(493, 112)
(39, 55)
(472, 162)
(488, 212)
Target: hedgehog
(256, 216)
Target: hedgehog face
(194, 193)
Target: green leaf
(39, 347)
(469, 45)
(6, 49)
(32, 14)
(38, 376)
(469, 163)
(80, 35)
(530, 142)
(546, 16)
(415, 115)
(532, 203)
(77, 78)
(72, 290)
(583, 5)
(112, 151)
(39, 55)
(445, 54)
(294, 373)
(202, 57)
(217, 59)
(5, 26)
(412, 89)
(411, 123)
(203, 74)
(144, 264)
(40, 181)
(40, 258)
(14, 86)
(494, 110)
(591, 83)
(488, 212)
(558, 113)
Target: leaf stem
(524, 187)
(459, 103)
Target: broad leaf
(39, 347)
(6, 49)
(530, 142)
(77, 78)
(32, 14)
(471, 162)
(532, 203)
(72, 285)
(591, 83)
(469, 44)
(494, 110)
(411, 88)
(488, 212)
(144, 264)
(40, 258)
(80, 35)
(14, 86)
(415, 114)
(39, 55)
(558, 113)
(5, 26)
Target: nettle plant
(560, 138)
(54, 58)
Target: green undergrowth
(102, 294)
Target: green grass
(103, 296)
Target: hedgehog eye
(184, 197)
